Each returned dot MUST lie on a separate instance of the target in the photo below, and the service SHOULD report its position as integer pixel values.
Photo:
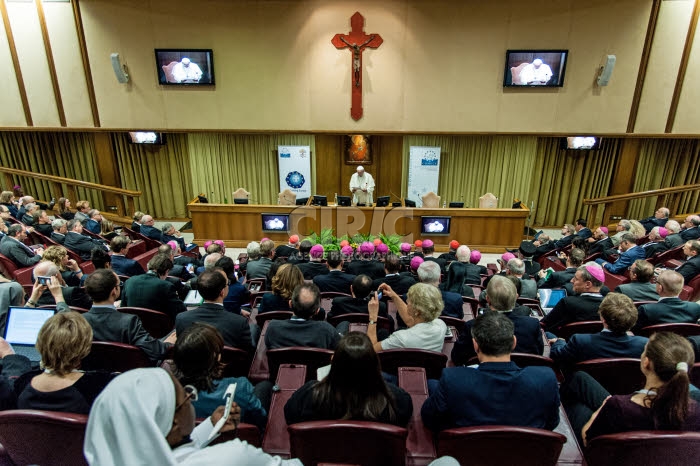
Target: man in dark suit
(599, 242)
(670, 308)
(94, 222)
(43, 224)
(399, 283)
(213, 286)
(567, 232)
(357, 303)
(691, 267)
(12, 246)
(587, 282)
(120, 263)
(526, 251)
(152, 291)
(618, 314)
(315, 266)
(60, 229)
(543, 244)
(630, 253)
(259, 268)
(657, 242)
(302, 329)
(582, 230)
(562, 277)
(108, 324)
(148, 230)
(429, 273)
(428, 254)
(691, 228)
(640, 288)
(498, 392)
(335, 280)
(659, 219)
(286, 250)
(169, 233)
(366, 264)
(79, 243)
(450, 255)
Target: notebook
(550, 298)
(22, 329)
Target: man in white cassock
(536, 73)
(186, 71)
(362, 187)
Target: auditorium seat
(619, 376)
(145, 257)
(156, 323)
(588, 326)
(23, 276)
(115, 357)
(644, 448)
(259, 369)
(289, 379)
(244, 432)
(684, 330)
(328, 296)
(255, 284)
(135, 248)
(420, 448)
(695, 374)
(458, 324)
(525, 360)
(272, 315)
(432, 361)
(554, 262)
(612, 281)
(470, 306)
(312, 358)
(237, 362)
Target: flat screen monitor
(383, 201)
(395, 204)
(240, 201)
(319, 200)
(275, 223)
(146, 137)
(409, 203)
(435, 225)
(302, 200)
(535, 68)
(344, 201)
(456, 205)
(185, 67)
(581, 143)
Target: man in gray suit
(12, 246)
(641, 288)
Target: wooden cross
(356, 41)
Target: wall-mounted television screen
(581, 143)
(193, 67)
(535, 68)
(275, 223)
(146, 137)
(435, 225)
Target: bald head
(669, 284)
(45, 269)
(211, 260)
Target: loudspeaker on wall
(606, 70)
(119, 69)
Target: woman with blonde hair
(107, 229)
(287, 278)
(70, 270)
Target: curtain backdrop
(70, 155)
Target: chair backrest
(454, 322)
(430, 200)
(470, 306)
(143, 259)
(168, 71)
(619, 376)
(287, 197)
(487, 445)
(241, 193)
(348, 442)
(432, 361)
(684, 330)
(8, 267)
(361, 318)
(115, 357)
(43, 437)
(312, 358)
(87, 267)
(327, 298)
(588, 326)
(156, 323)
(644, 447)
(272, 315)
(237, 362)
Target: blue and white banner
(295, 169)
(423, 172)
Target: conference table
(488, 230)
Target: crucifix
(356, 41)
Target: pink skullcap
(454, 244)
(207, 244)
(507, 256)
(428, 243)
(173, 245)
(220, 243)
(604, 230)
(382, 248)
(418, 243)
(596, 272)
(346, 250)
(294, 239)
(405, 247)
(475, 257)
(265, 239)
(367, 247)
(316, 251)
(663, 232)
(416, 262)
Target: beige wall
(440, 68)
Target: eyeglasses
(190, 394)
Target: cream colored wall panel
(11, 111)
(687, 116)
(32, 58)
(664, 62)
(69, 64)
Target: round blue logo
(295, 180)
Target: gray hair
(429, 273)
(211, 259)
(673, 226)
(165, 228)
(501, 293)
(463, 253)
(253, 250)
(516, 266)
(626, 224)
(58, 224)
(426, 300)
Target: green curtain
(664, 163)
(161, 173)
(70, 155)
(471, 166)
(564, 178)
(222, 163)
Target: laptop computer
(550, 298)
(22, 329)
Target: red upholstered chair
(43, 437)
(588, 326)
(554, 262)
(360, 318)
(477, 289)
(156, 323)
(115, 357)
(524, 360)
(454, 322)
(420, 448)
(642, 303)
(244, 432)
(694, 285)
(259, 369)
(433, 362)
(489, 445)
(312, 358)
(237, 362)
(87, 267)
(12, 272)
(674, 253)
(613, 281)
(289, 379)
(695, 374)
(256, 297)
(470, 306)
(645, 448)
(684, 330)
(349, 442)
(135, 248)
(619, 376)
(327, 298)
(272, 315)
(143, 259)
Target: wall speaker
(606, 70)
(119, 69)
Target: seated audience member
(209, 262)
(670, 308)
(152, 291)
(11, 294)
(286, 250)
(497, 392)
(582, 230)
(213, 286)
(354, 389)
(107, 230)
(301, 329)
(691, 267)
(12, 246)
(630, 253)
(28, 210)
(42, 224)
(584, 306)
(429, 273)
(543, 244)
(618, 314)
(657, 242)
(73, 295)
(79, 243)
(516, 268)
(108, 324)
(150, 408)
(60, 228)
(567, 232)
(461, 273)
(519, 309)
(526, 251)
(428, 248)
(136, 223)
(302, 255)
(501, 295)
(420, 313)
(179, 276)
(70, 270)
(365, 262)
(640, 288)
(578, 243)
(405, 257)
(691, 228)
(64, 209)
(335, 280)
(599, 242)
(287, 278)
(392, 267)
(82, 213)
(100, 259)
(637, 229)
(662, 404)
(659, 219)
(197, 360)
(170, 233)
(238, 294)
(475, 258)
(259, 268)
(148, 230)
(450, 255)
(253, 253)
(623, 226)
(63, 342)
(93, 222)
(7, 199)
(673, 239)
(5, 216)
(357, 303)
(11, 367)
(558, 279)
(121, 264)
(314, 266)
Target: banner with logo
(423, 172)
(295, 169)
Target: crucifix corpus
(356, 41)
